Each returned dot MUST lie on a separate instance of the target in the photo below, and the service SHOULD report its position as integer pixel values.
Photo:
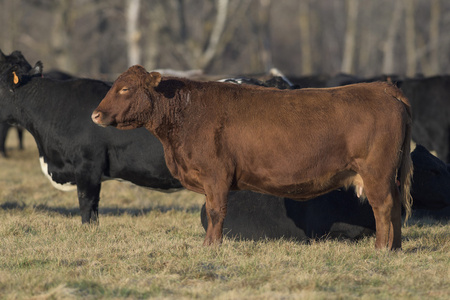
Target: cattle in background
(339, 214)
(7, 61)
(4, 128)
(312, 81)
(430, 102)
(74, 152)
(58, 75)
(346, 79)
(431, 185)
(277, 79)
(293, 143)
(277, 82)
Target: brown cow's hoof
(212, 242)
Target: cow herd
(253, 150)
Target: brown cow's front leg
(216, 210)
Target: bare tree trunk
(133, 33)
(182, 19)
(410, 38)
(152, 45)
(264, 24)
(61, 32)
(434, 36)
(368, 44)
(388, 47)
(219, 25)
(350, 37)
(305, 38)
(239, 11)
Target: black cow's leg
(20, 137)
(3, 133)
(88, 197)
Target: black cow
(6, 62)
(74, 152)
(431, 185)
(59, 75)
(339, 214)
(276, 81)
(311, 81)
(5, 126)
(430, 103)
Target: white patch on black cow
(232, 80)
(66, 187)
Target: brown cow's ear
(153, 79)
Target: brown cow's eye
(123, 90)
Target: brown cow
(299, 144)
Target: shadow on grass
(417, 220)
(110, 211)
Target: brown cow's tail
(406, 172)
(406, 167)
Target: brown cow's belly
(304, 189)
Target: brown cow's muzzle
(97, 118)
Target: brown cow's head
(127, 104)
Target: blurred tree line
(299, 37)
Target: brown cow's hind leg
(387, 211)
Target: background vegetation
(300, 37)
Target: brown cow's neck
(167, 115)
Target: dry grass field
(149, 245)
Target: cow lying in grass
(254, 216)
(300, 144)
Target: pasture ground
(149, 245)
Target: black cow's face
(14, 70)
(16, 62)
(127, 104)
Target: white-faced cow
(74, 152)
(299, 144)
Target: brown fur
(298, 144)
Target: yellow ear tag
(16, 79)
